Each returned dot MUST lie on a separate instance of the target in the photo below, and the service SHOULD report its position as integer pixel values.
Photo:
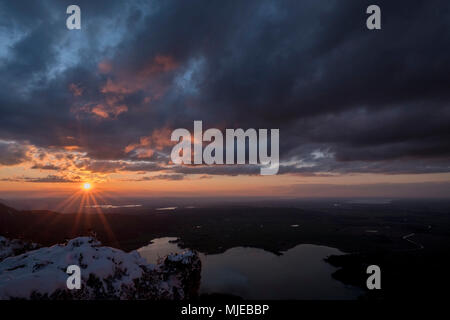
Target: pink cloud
(104, 67)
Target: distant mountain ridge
(16, 224)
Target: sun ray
(68, 202)
(104, 221)
(51, 219)
(79, 214)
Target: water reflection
(251, 273)
(159, 248)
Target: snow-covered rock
(106, 273)
(9, 248)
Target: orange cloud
(127, 84)
(100, 111)
(158, 140)
(71, 148)
(110, 111)
(159, 64)
(118, 88)
(76, 90)
(114, 91)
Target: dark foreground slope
(410, 242)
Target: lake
(252, 273)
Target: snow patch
(107, 273)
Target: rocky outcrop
(10, 248)
(106, 273)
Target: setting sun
(87, 186)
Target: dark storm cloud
(375, 101)
(172, 177)
(12, 153)
(229, 170)
(47, 179)
(110, 166)
(45, 167)
(329, 166)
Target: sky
(361, 113)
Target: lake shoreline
(301, 273)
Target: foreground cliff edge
(106, 273)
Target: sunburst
(87, 186)
(87, 197)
